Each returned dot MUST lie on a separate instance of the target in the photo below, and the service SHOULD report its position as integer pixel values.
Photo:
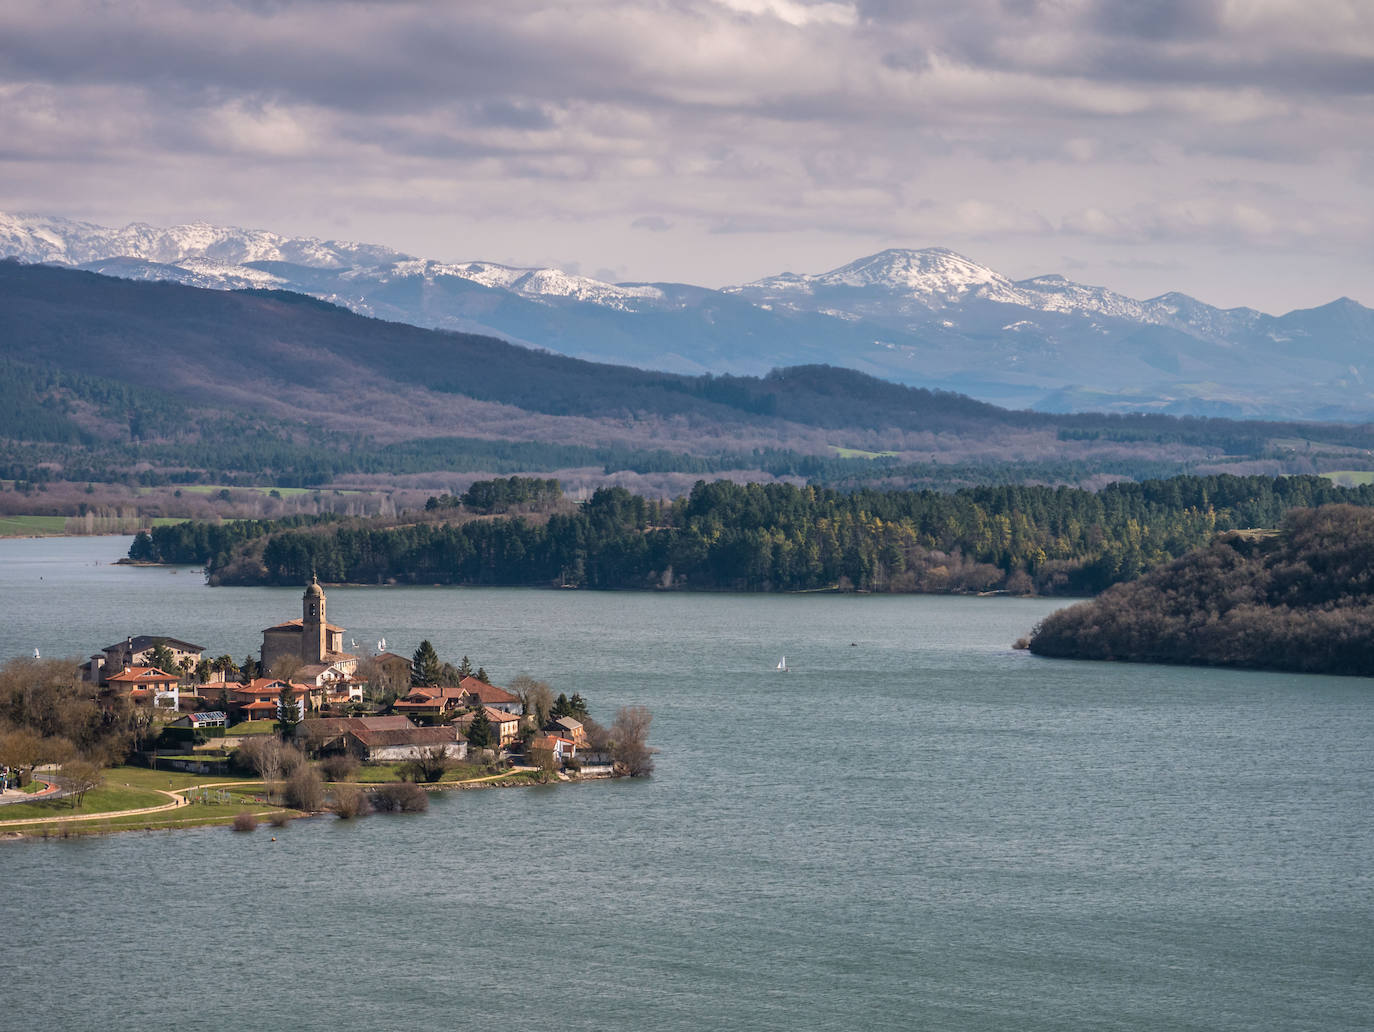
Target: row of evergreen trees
(777, 537)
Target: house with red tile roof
(506, 726)
(259, 699)
(567, 727)
(432, 703)
(379, 739)
(491, 695)
(146, 685)
(562, 748)
(135, 651)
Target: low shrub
(245, 821)
(305, 790)
(339, 767)
(400, 797)
(349, 801)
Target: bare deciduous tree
(80, 776)
(284, 667)
(270, 758)
(429, 765)
(536, 695)
(629, 741)
(339, 766)
(348, 801)
(305, 790)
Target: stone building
(312, 639)
(137, 652)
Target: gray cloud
(807, 132)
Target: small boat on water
(782, 665)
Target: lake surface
(919, 830)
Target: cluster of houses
(323, 686)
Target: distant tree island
(1300, 599)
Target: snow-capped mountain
(928, 317)
(39, 238)
(532, 283)
(934, 278)
(193, 272)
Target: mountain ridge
(925, 317)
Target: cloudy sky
(1220, 147)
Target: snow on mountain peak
(38, 238)
(533, 283)
(934, 276)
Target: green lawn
(111, 796)
(167, 780)
(252, 727)
(1350, 477)
(59, 526)
(131, 788)
(29, 526)
(187, 817)
(383, 773)
(859, 453)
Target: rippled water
(921, 830)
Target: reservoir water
(915, 828)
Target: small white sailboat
(782, 665)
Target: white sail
(782, 665)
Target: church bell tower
(314, 640)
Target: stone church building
(312, 639)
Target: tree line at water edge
(1300, 599)
(776, 537)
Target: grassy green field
(1350, 477)
(252, 727)
(859, 453)
(130, 788)
(186, 817)
(382, 773)
(285, 492)
(58, 526)
(31, 526)
(106, 799)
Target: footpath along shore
(177, 799)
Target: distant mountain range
(922, 317)
(150, 383)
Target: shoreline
(73, 826)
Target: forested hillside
(775, 537)
(1300, 600)
(109, 380)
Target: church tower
(314, 640)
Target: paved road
(51, 790)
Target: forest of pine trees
(776, 537)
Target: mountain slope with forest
(926, 317)
(164, 380)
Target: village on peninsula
(305, 727)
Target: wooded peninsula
(1301, 599)
(756, 537)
